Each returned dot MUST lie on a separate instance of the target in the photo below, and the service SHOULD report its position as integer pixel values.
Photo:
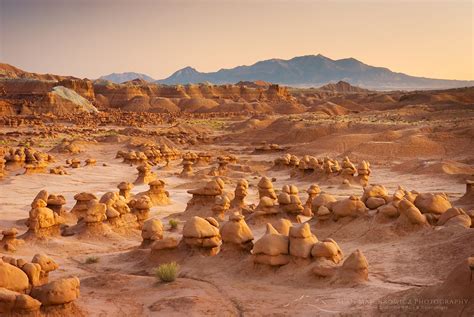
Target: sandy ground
(229, 284)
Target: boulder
(58, 292)
(13, 278)
(349, 207)
(301, 241)
(236, 232)
(432, 203)
(272, 248)
(329, 249)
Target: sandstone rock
(432, 203)
(272, 248)
(46, 264)
(323, 200)
(187, 169)
(301, 240)
(13, 278)
(58, 292)
(266, 206)
(355, 269)
(203, 233)
(96, 212)
(313, 191)
(323, 213)
(125, 189)
(157, 193)
(14, 303)
(221, 205)
(409, 212)
(43, 222)
(152, 230)
(265, 188)
(141, 208)
(374, 202)
(9, 241)
(145, 175)
(283, 226)
(329, 249)
(455, 217)
(241, 191)
(237, 232)
(83, 201)
(349, 207)
(375, 191)
(165, 243)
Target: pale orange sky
(90, 38)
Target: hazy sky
(89, 38)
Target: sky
(91, 38)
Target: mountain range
(306, 71)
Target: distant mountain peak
(186, 70)
(119, 78)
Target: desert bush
(167, 272)
(92, 259)
(173, 223)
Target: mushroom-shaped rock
(56, 203)
(349, 207)
(125, 189)
(266, 206)
(221, 205)
(187, 169)
(265, 188)
(272, 248)
(95, 213)
(313, 191)
(43, 222)
(301, 241)
(82, 204)
(241, 191)
(157, 193)
(200, 232)
(145, 175)
(236, 232)
(9, 241)
(141, 208)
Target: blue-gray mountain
(313, 71)
(119, 78)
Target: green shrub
(92, 260)
(167, 272)
(173, 223)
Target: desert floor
(230, 284)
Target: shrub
(173, 223)
(167, 272)
(92, 260)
